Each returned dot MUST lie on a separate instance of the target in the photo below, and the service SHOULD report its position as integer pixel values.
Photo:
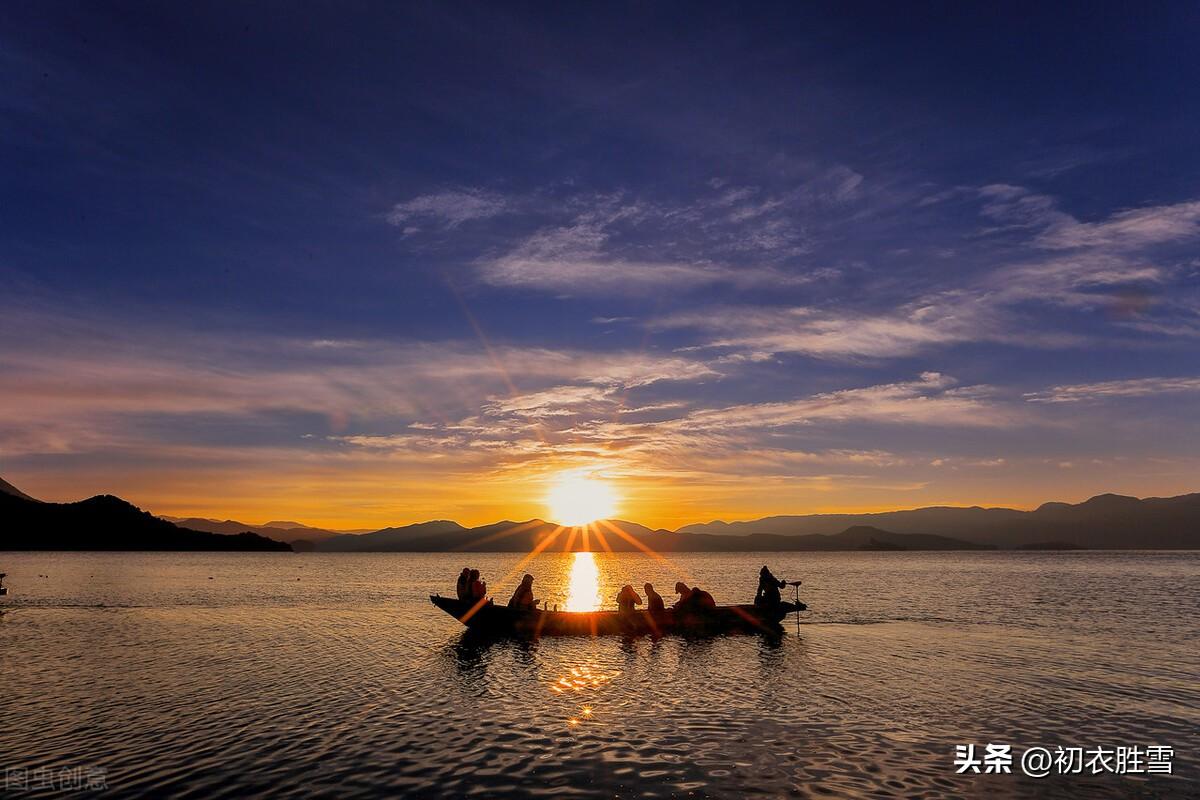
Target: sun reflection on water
(583, 590)
(578, 679)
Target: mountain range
(105, 522)
(1106, 521)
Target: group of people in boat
(472, 589)
(691, 598)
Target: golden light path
(583, 588)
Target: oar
(796, 584)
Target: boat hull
(501, 620)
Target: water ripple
(349, 684)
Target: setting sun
(579, 498)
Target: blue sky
(383, 264)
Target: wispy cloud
(1134, 228)
(1105, 269)
(1104, 390)
(569, 242)
(767, 331)
(1129, 229)
(448, 209)
(599, 251)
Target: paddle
(796, 584)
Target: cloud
(932, 399)
(588, 256)
(448, 209)
(588, 243)
(83, 387)
(1104, 270)
(1129, 229)
(1134, 228)
(1104, 390)
(765, 331)
(592, 274)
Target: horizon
(517, 520)
(747, 264)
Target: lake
(291, 675)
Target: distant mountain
(1107, 521)
(618, 536)
(941, 520)
(271, 531)
(105, 522)
(391, 539)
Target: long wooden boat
(503, 621)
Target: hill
(105, 522)
(390, 539)
(1107, 521)
(9, 489)
(618, 536)
(276, 531)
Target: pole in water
(796, 586)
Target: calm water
(211, 675)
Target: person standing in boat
(627, 598)
(768, 589)
(523, 599)
(654, 601)
(463, 585)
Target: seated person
(462, 586)
(654, 601)
(702, 600)
(627, 599)
(523, 599)
(768, 589)
(478, 587)
(685, 595)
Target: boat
(504, 621)
(3, 591)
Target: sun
(577, 498)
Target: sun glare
(579, 498)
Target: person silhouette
(768, 589)
(685, 595)
(654, 601)
(478, 587)
(701, 599)
(523, 599)
(627, 599)
(463, 585)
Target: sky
(369, 264)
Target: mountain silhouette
(299, 534)
(390, 539)
(9, 489)
(615, 535)
(105, 522)
(1106, 521)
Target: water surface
(224, 675)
